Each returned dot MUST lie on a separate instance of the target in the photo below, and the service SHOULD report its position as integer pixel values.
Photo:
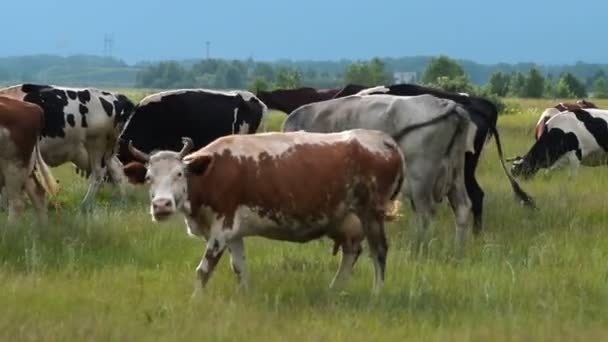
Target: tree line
(442, 72)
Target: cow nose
(161, 204)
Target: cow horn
(188, 144)
(512, 159)
(137, 153)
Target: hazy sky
(487, 31)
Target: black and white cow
(575, 137)
(161, 120)
(81, 125)
(483, 115)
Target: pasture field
(117, 276)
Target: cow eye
(180, 174)
(147, 178)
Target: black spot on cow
(106, 93)
(52, 101)
(84, 123)
(103, 162)
(72, 95)
(124, 109)
(70, 119)
(84, 96)
(107, 106)
(83, 109)
(596, 126)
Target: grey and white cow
(81, 125)
(574, 137)
(431, 132)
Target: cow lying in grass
(283, 186)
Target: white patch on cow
(464, 94)
(236, 113)
(157, 97)
(279, 144)
(368, 91)
(471, 132)
(568, 123)
(244, 128)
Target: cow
(160, 120)
(287, 100)
(558, 108)
(81, 125)
(575, 137)
(284, 186)
(483, 115)
(20, 126)
(431, 132)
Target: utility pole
(108, 45)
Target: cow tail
(519, 192)
(43, 174)
(393, 205)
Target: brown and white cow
(283, 186)
(558, 108)
(20, 127)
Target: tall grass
(115, 275)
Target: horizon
(467, 30)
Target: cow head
(522, 167)
(167, 173)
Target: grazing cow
(483, 115)
(558, 108)
(287, 100)
(431, 132)
(160, 120)
(20, 126)
(81, 125)
(578, 137)
(284, 186)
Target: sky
(485, 31)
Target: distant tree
(534, 86)
(288, 79)
(258, 84)
(517, 85)
(265, 71)
(207, 66)
(596, 76)
(441, 66)
(499, 84)
(459, 84)
(600, 89)
(571, 85)
(369, 74)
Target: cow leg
(378, 246)
(461, 207)
(350, 254)
(474, 190)
(37, 196)
(117, 176)
(98, 168)
(14, 180)
(236, 247)
(213, 252)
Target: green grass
(118, 276)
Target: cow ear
(136, 172)
(198, 165)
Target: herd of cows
(343, 157)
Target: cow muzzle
(162, 208)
